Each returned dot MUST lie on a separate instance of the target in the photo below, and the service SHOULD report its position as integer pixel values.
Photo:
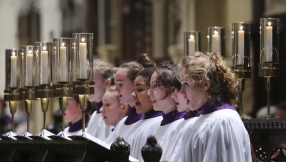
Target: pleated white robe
(115, 133)
(164, 135)
(97, 127)
(219, 136)
(139, 137)
(175, 151)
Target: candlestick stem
(241, 83)
(268, 89)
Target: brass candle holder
(269, 54)
(216, 40)
(29, 79)
(44, 91)
(241, 57)
(13, 64)
(83, 57)
(62, 83)
(83, 88)
(192, 41)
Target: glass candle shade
(192, 40)
(12, 68)
(63, 52)
(84, 55)
(45, 52)
(29, 65)
(269, 40)
(240, 44)
(216, 40)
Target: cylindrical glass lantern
(45, 52)
(63, 51)
(29, 65)
(84, 55)
(241, 44)
(269, 40)
(192, 40)
(13, 68)
(216, 41)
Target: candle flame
(13, 54)
(241, 27)
(30, 51)
(44, 48)
(215, 32)
(82, 39)
(63, 44)
(192, 37)
(208, 36)
(269, 23)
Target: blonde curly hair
(223, 81)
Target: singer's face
(157, 94)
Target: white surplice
(114, 134)
(73, 133)
(219, 136)
(97, 127)
(164, 135)
(145, 128)
(174, 152)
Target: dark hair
(167, 76)
(134, 67)
(147, 73)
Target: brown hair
(104, 68)
(167, 76)
(223, 81)
(134, 67)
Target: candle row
(269, 32)
(64, 60)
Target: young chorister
(73, 116)
(143, 105)
(218, 135)
(102, 76)
(124, 78)
(162, 86)
(175, 149)
(112, 111)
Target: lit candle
(268, 34)
(13, 80)
(215, 42)
(44, 66)
(63, 62)
(191, 45)
(29, 69)
(82, 60)
(240, 59)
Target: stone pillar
(159, 27)
(8, 18)
(51, 20)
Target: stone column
(159, 26)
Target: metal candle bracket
(83, 88)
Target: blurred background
(123, 29)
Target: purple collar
(133, 117)
(152, 114)
(190, 114)
(207, 108)
(98, 106)
(172, 116)
(78, 125)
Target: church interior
(124, 29)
